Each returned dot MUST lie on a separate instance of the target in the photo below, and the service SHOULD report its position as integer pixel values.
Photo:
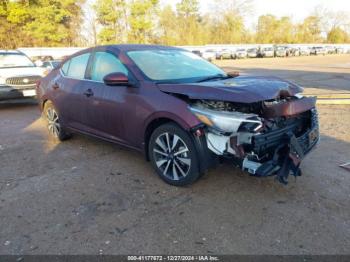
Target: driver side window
(104, 64)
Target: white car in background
(225, 54)
(281, 51)
(241, 53)
(18, 75)
(209, 54)
(304, 50)
(252, 52)
(339, 50)
(267, 52)
(330, 49)
(318, 50)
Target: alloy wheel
(171, 156)
(53, 124)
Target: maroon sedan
(181, 111)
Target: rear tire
(173, 155)
(56, 130)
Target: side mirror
(233, 73)
(116, 79)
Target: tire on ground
(193, 172)
(62, 134)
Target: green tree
(141, 18)
(111, 14)
(13, 16)
(40, 22)
(54, 22)
(272, 30)
(227, 23)
(188, 8)
(266, 30)
(168, 28)
(337, 36)
(284, 31)
(310, 30)
(188, 22)
(228, 30)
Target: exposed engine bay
(263, 138)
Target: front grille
(23, 81)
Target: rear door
(70, 97)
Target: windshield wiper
(218, 76)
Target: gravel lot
(85, 196)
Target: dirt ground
(85, 196)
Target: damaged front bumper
(288, 153)
(278, 151)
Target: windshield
(173, 65)
(268, 49)
(8, 60)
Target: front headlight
(2, 81)
(227, 122)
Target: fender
(171, 117)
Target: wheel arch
(154, 124)
(206, 158)
(43, 103)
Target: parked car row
(266, 51)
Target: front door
(106, 104)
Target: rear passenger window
(104, 64)
(77, 66)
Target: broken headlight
(227, 122)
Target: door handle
(55, 86)
(88, 93)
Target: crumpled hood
(242, 89)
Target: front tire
(56, 130)
(173, 155)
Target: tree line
(48, 23)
